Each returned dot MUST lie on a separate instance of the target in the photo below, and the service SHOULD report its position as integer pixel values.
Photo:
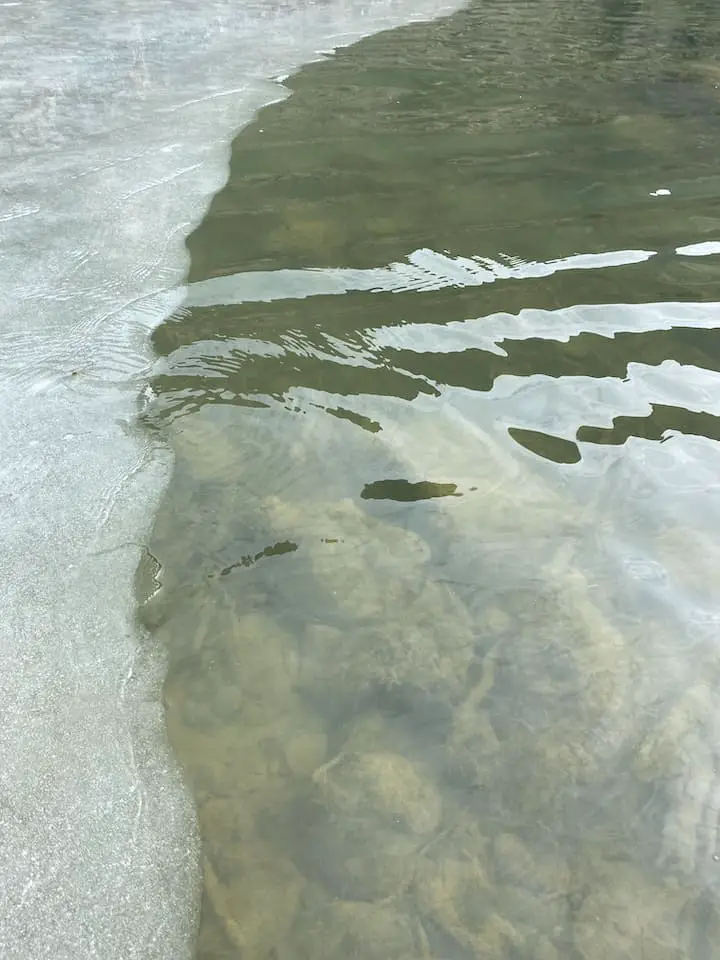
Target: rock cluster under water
(388, 766)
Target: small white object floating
(660, 192)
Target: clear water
(437, 563)
(115, 122)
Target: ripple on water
(438, 551)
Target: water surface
(439, 552)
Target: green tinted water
(437, 562)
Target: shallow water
(436, 566)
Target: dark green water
(439, 554)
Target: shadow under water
(436, 568)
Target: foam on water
(115, 133)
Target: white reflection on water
(425, 270)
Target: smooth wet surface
(438, 559)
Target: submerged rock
(236, 666)
(254, 898)
(458, 900)
(534, 885)
(378, 616)
(626, 914)
(552, 708)
(518, 864)
(678, 759)
(504, 899)
(422, 642)
(363, 823)
(362, 931)
(384, 787)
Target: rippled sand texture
(437, 560)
